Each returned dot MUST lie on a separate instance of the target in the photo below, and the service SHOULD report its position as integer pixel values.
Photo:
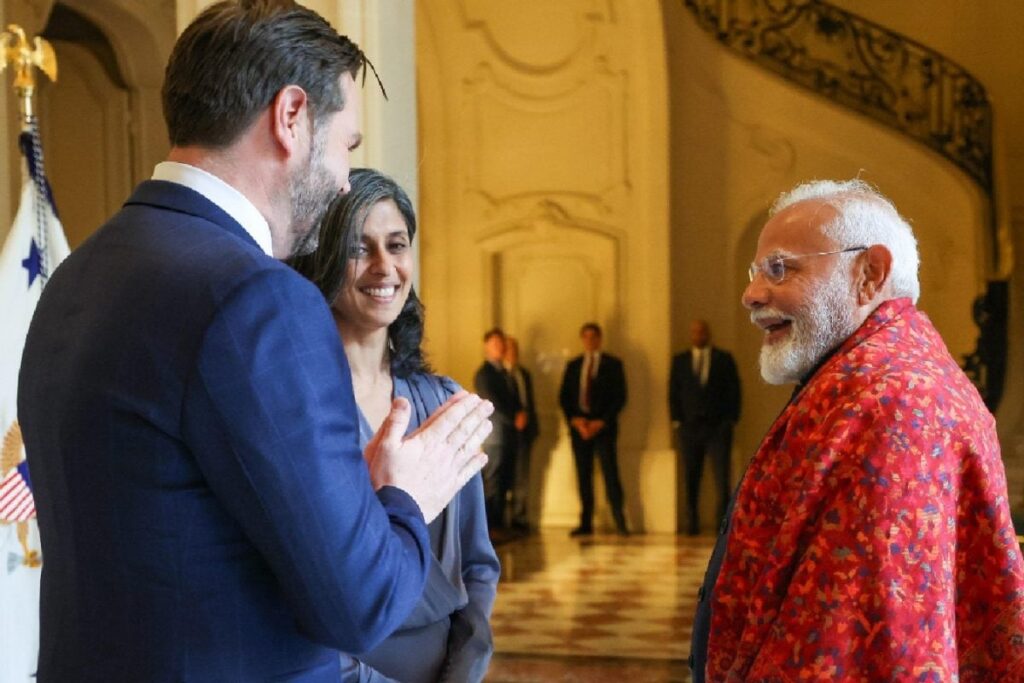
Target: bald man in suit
(704, 402)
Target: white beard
(817, 327)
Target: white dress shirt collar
(230, 200)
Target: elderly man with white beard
(870, 538)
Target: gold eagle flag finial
(17, 52)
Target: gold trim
(12, 450)
(17, 52)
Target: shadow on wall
(634, 428)
(546, 371)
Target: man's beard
(817, 327)
(311, 192)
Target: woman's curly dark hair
(340, 235)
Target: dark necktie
(588, 382)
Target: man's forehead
(797, 229)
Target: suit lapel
(170, 196)
(689, 366)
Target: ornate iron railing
(864, 66)
(896, 81)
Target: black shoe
(622, 531)
(581, 531)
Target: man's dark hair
(494, 332)
(231, 62)
(594, 327)
(340, 235)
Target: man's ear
(288, 117)
(872, 274)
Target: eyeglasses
(774, 267)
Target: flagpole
(17, 52)
(32, 248)
(24, 57)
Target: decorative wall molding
(510, 30)
(547, 221)
(778, 150)
(513, 135)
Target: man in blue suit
(187, 408)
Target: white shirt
(591, 362)
(233, 202)
(702, 363)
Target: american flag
(16, 504)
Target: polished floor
(602, 608)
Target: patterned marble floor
(603, 608)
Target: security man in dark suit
(527, 431)
(593, 393)
(704, 402)
(493, 383)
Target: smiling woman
(379, 271)
(364, 267)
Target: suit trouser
(604, 445)
(521, 482)
(498, 475)
(698, 440)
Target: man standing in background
(592, 395)
(526, 433)
(870, 539)
(493, 383)
(704, 402)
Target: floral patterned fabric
(871, 537)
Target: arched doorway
(544, 204)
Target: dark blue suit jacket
(189, 421)
(716, 401)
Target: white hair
(864, 216)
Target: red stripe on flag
(22, 510)
(10, 503)
(16, 504)
(10, 483)
(26, 511)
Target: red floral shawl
(871, 538)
